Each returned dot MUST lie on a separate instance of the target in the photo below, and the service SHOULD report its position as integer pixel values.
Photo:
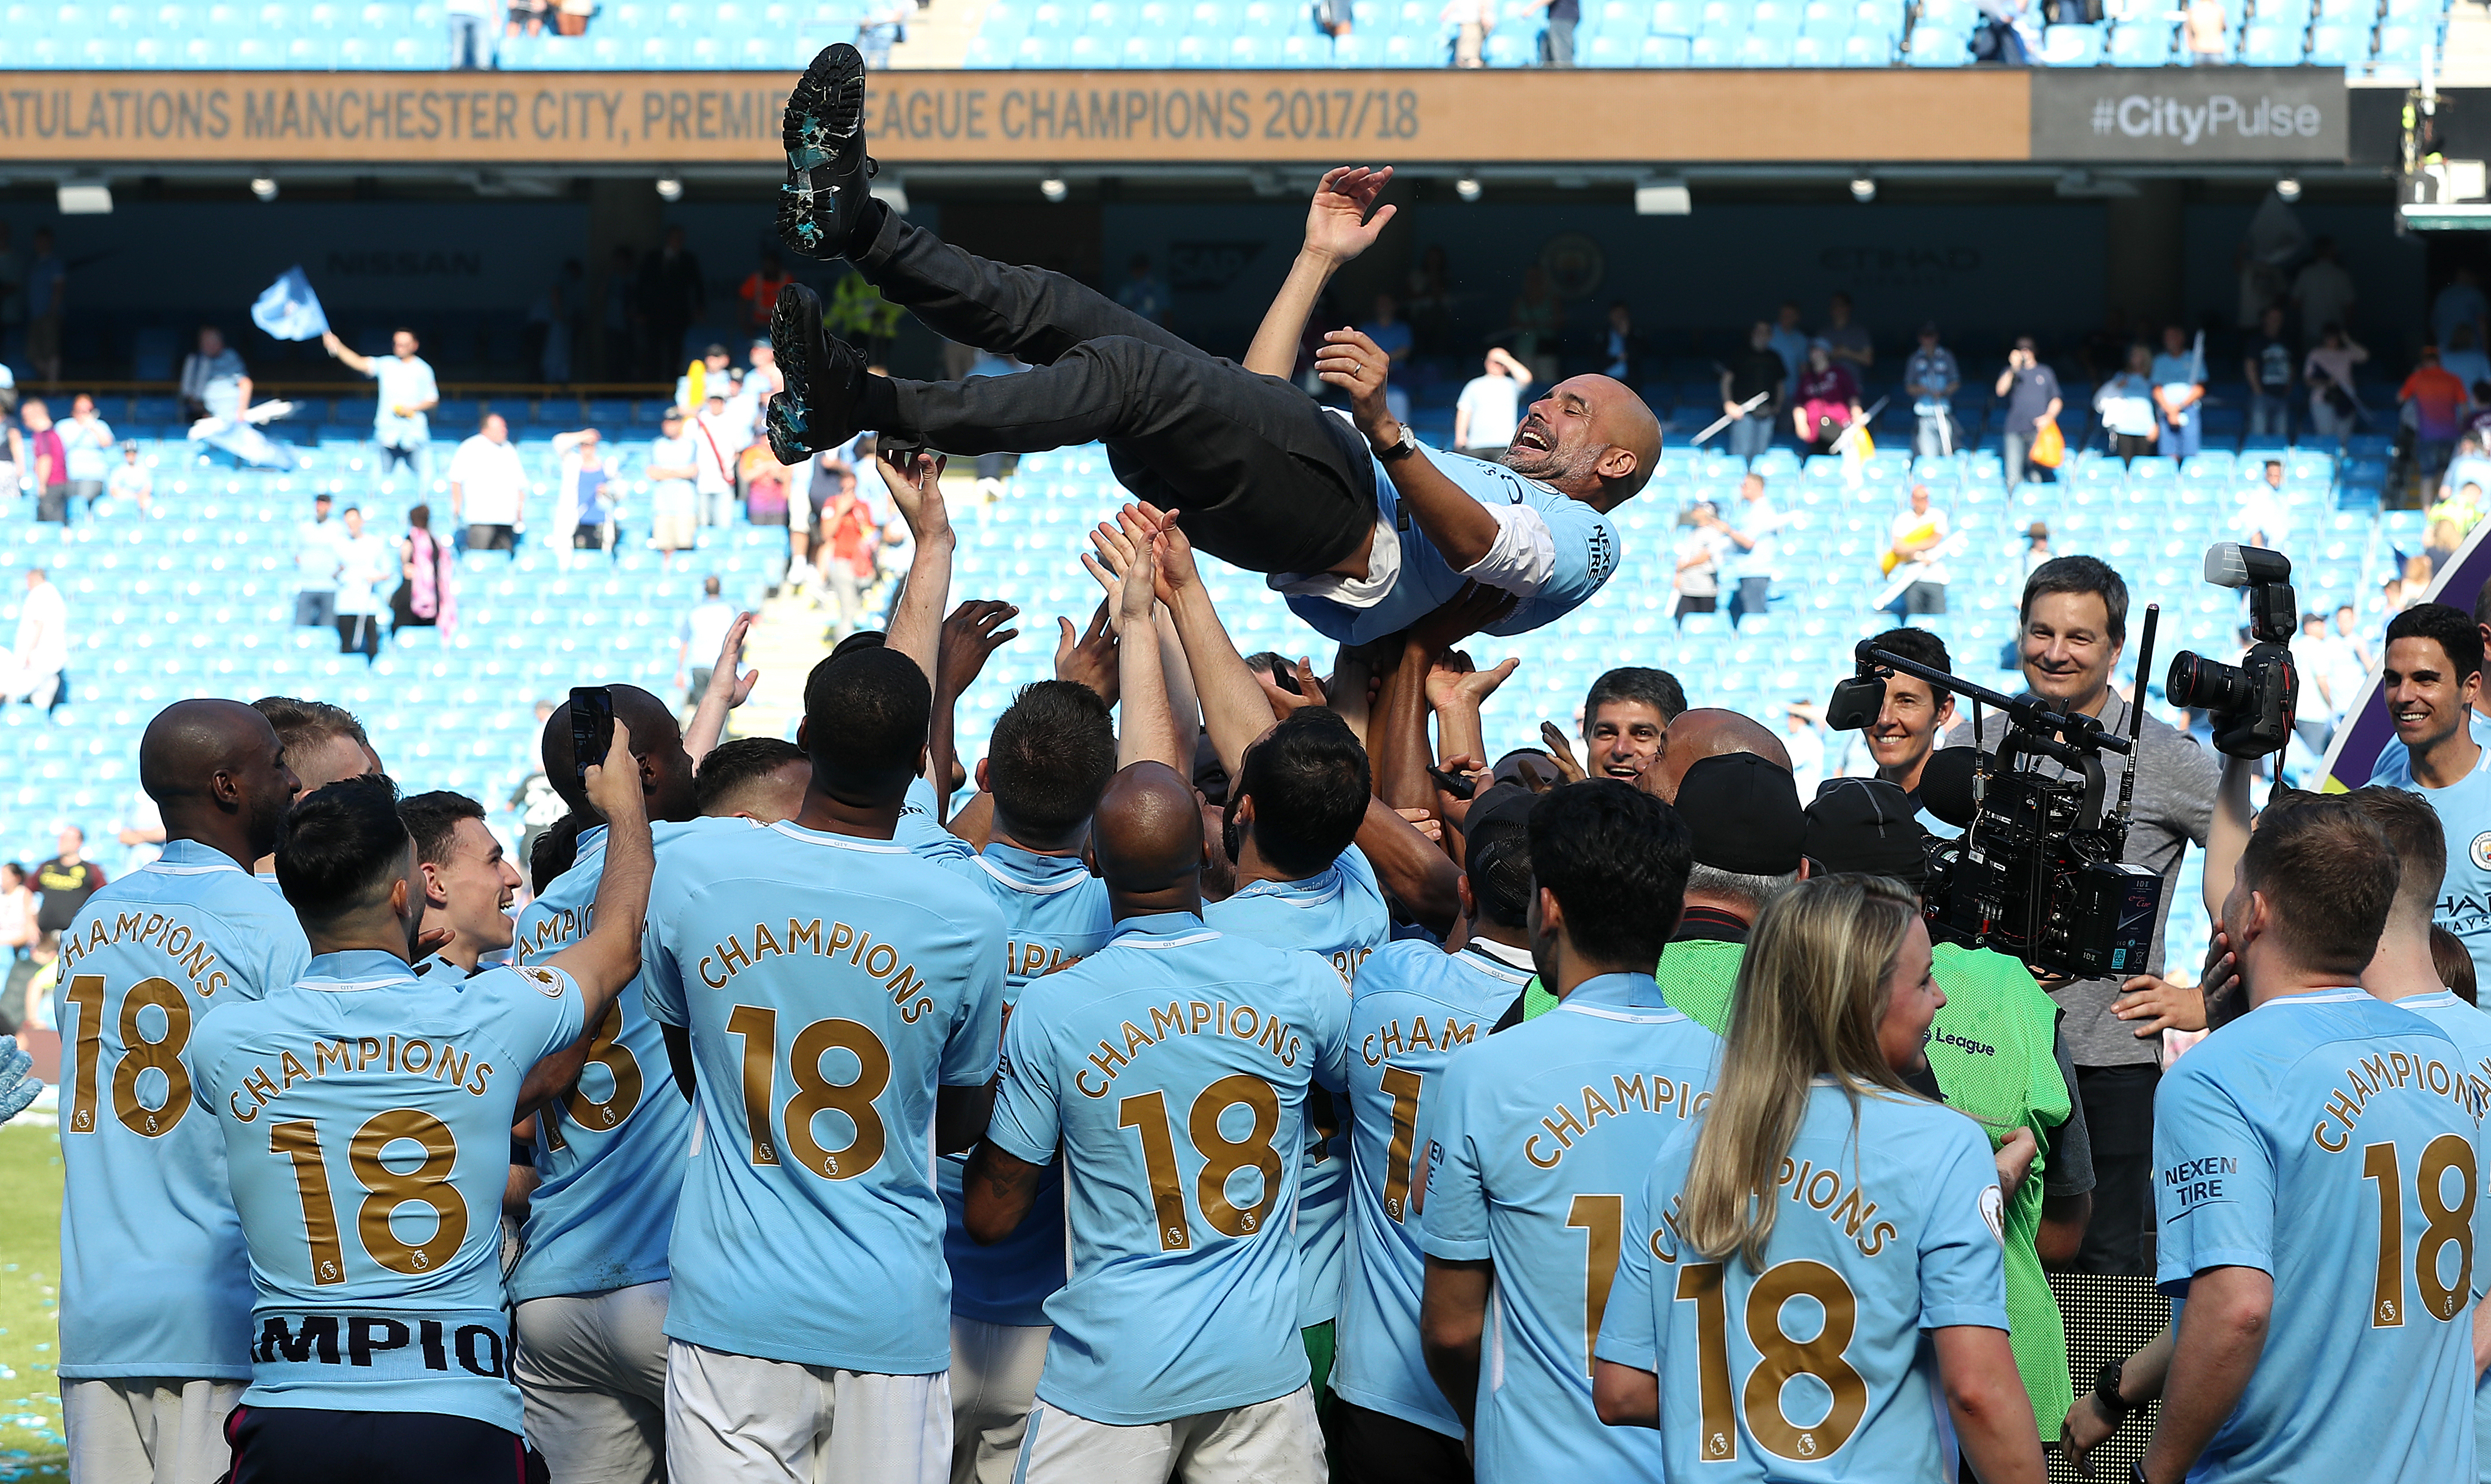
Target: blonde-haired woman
(1806, 1335)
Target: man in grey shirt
(2073, 628)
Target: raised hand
(969, 636)
(1088, 658)
(1352, 361)
(1452, 680)
(1553, 738)
(726, 675)
(18, 1086)
(614, 786)
(1468, 611)
(1286, 702)
(1337, 226)
(916, 488)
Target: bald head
(1591, 437)
(666, 769)
(1708, 732)
(1148, 831)
(217, 772)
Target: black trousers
(299, 1445)
(1266, 479)
(1377, 1447)
(2118, 1116)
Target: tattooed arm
(998, 1189)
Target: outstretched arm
(359, 364)
(1233, 708)
(728, 690)
(973, 632)
(1461, 526)
(607, 957)
(1337, 230)
(1145, 732)
(917, 491)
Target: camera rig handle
(2082, 735)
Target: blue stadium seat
(1038, 51)
(2271, 43)
(1107, 19)
(2362, 10)
(1506, 47)
(1625, 18)
(1607, 51)
(1815, 51)
(986, 51)
(2415, 10)
(2146, 43)
(1765, 50)
(1159, 18)
(2338, 43)
(1352, 50)
(1250, 52)
(2073, 45)
(1261, 17)
(1665, 51)
(1827, 18)
(1196, 51)
(1089, 51)
(1403, 49)
(1309, 50)
(2402, 41)
(1938, 46)
(1862, 49)
(1052, 20)
(1777, 18)
(1676, 17)
(1149, 51)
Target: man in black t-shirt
(1757, 370)
(2270, 362)
(66, 881)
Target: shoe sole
(824, 119)
(795, 340)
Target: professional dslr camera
(2038, 873)
(2252, 703)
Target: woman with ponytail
(1817, 1260)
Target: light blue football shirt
(1537, 1139)
(831, 983)
(1055, 913)
(366, 1122)
(1172, 1067)
(2321, 1139)
(610, 1152)
(1889, 1227)
(1338, 912)
(1585, 544)
(154, 1280)
(1415, 1004)
(2464, 810)
(2471, 1030)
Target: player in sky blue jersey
(1812, 1283)
(836, 1005)
(155, 1284)
(1415, 1006)
(2428, 681)
(381, 1343)
(467, 882)
(2321, 1137)
(590, 1285)
(1171, 1067)
(1535, 1137)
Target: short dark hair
(733, 766)
(343, 845)
(2454, 962)
(2413, 832)
(1498, 864)
(2328, 877)
(1922, 647)
(865, 717)
(433, 819)
(1050, 758)
(1309, 780)
(2079, 574)
(300, 723)
(2452, 631)
(1657, 688)
(1616, 859)
(2481, 603)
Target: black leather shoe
(825, 208)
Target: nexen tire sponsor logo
(2139, 116)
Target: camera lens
(2198, 684)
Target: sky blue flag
(289, 310)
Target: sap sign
(2168, 114)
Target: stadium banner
(1013, 117)
(2171, 115)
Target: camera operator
(2074, 628)
(2431, 677)
(1910, 719)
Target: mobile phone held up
(592, 728)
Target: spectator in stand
(427, 591)
(2318, 705)
(470, 34)
(404, 393)
(2460, 305)
(1621, 347)
(1490, 406)
(1790, 342)
(1392, 338)
(2322, 291)
(1557, 42)
(2125, 404)
(131, 481)
(2204, 25)
(2350, 640)
(1756, 371)
(2263, 520)
(672, 297)
(1931, 378)
(1535, 323)
(315, 567)
(2461, 356)
(2267, 364)
(2438, 401)
(718, 436)
(674, 503)
(526, 19)
(66, 881)
(582, 474)
(1755, 548)
(363, 563)
(2179, 392)
(47, 287)
(850, 540)
(17, 930)
(1828, 400)
(48, 464)
(2334, 407)
(859, 314)
(1699, 562)
(570, 19)
(488, 489)
(1145, 292)
(38, 660)
(14, 459)
(86, 440)
(759, 292)
(702, 636)
(715, 370)
(215, 382)
(1847, 342)
(1915, 545)
(1470, 20)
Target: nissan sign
(2171, 115)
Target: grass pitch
(30, 1277)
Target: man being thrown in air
(1364, 527)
